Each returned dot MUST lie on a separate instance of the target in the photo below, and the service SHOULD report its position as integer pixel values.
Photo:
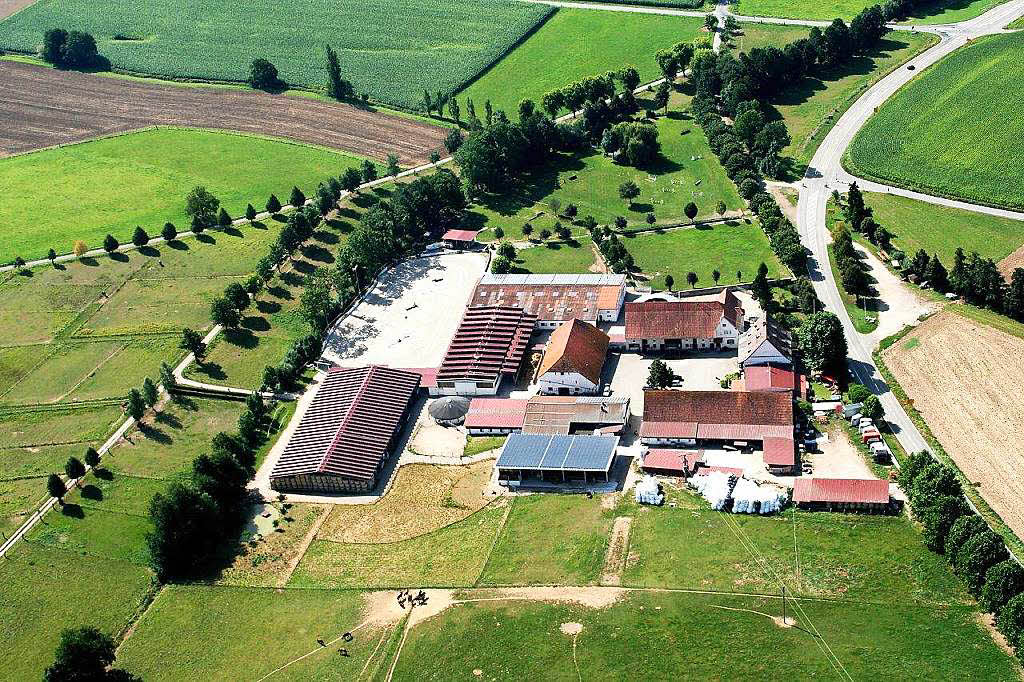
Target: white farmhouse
(684, 325)
(573, 360)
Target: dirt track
(43, 107)
(962, 378)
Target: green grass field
(391, 50)
(554, 257)
(940, 12)
(941, 229)
(46, 589)
(214, 632)
(694, 636)
(686, 171)
(112, 184)
(974, 149)
(576, 43)
(550, 540)
(730, 247)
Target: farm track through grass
(391, 49)
(952, 131)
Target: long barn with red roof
(347, 433)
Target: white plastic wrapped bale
(648, 491)
(750, 498)
(714, 488)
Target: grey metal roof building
(345, 436)
(556, 457)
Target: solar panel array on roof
(558, 453)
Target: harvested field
(960, 375)
(53, 107)
(423, 498)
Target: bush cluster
(612, 249)
(69, 50)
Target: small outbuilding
(844, 495)
(459, 239)
(450, 410)
(528, 457)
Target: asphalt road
(825, 174)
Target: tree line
(977, 554)
(975, 279)
(194, 517)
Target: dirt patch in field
(423, 498)
(1012, 262)
(9, 7)
(615, 557)
(45, 107)
(962, 378)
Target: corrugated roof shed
(779, 452)
(677, 461)
(558, 414)
(841, 490)
(496, 413)
(558, 453)
(459, 235)
(349, 424)
(576, 347)
(490, 340)
(769, 378)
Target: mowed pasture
(609, 635)
(732, 247)
(101, 325)
(953, 130)
(113, 184)
(941, 229)
(960, 375)
(576, 43)
(939, 12)
(220, 633)
(391, 50)
(686, 170)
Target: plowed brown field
(9, 7)
(43, 107)
(964, 380)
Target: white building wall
(766, 354)
(575, 383)
(466, 388)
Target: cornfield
(390, 49)
(955, 130)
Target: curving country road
(825, 173)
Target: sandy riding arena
(963, 378)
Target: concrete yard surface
(410, 315)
